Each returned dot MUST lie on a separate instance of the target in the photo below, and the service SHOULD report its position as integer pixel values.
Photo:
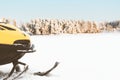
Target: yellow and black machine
(14, 43)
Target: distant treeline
(56, 26)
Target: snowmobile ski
(48, 71)
(25, 69)
(14, 77)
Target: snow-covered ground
(81, 57)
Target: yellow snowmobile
(13, 45)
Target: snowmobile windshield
(8, 28)
(1, 28)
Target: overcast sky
(96, 10)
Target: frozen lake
(81, 57)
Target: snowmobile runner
(14, 44)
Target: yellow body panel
(9, 36)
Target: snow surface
(81, 57)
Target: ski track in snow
(81, 57)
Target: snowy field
(81, 57)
